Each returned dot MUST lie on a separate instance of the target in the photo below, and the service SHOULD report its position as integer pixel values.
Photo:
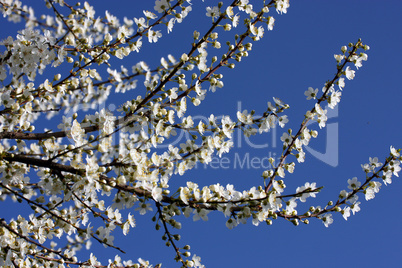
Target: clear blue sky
(297, 54)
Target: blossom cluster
(91, 174)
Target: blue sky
(297, 54)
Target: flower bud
(214, 35)
(344, 49)
(184, 57)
